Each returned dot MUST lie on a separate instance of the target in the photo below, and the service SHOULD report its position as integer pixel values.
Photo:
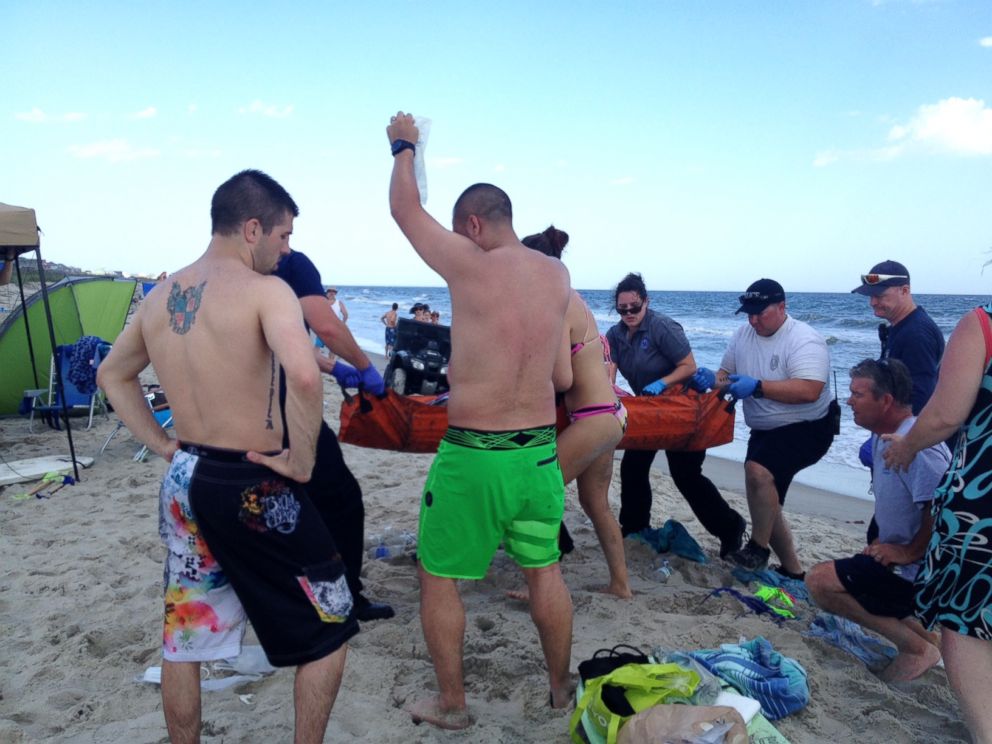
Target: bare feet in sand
(623, 592)
(906, 666)
(429, 709)
(563, 697)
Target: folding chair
(160, 410)
(162, 413)
(78, 364)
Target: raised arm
(118, 374)
(444, 251)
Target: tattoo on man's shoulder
(182, 306)
(272, 394)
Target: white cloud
(34, 115)
(985, 42)
(825, 158)
(500, 168)
(269, 110)
(955, 126)
(147, 113)
(37, 116)
(962, 126)
(116, 151)
(622, 181)
(192, 108)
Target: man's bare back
(222, 381)
(504, 347)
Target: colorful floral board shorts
(242, 542)
(486, 488)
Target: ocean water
(844, 320)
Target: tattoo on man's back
(272, 395)
(182, 306)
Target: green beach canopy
(26, 346)
(80, 306)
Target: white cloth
(794, 351)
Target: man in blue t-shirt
(6, 269)
(875, 587)
(910, 336)
(332, 487)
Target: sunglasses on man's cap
(873, 279)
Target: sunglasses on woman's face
(629, 309)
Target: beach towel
(757, 605)
(848, 635)
(757, 670)
(796, 588)
(83, 360)
(674, 537)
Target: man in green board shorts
(496, 476)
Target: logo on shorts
(269, 506)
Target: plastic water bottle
(662, 571)
(390, 543)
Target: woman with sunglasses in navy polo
(652, 353)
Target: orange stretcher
(675, 420)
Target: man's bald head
(485, 201)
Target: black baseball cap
(416, 307)
(881, 277)
(760, 295)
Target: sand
(80, 617)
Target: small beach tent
(24, 359)
(79, 306)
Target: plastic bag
(419, 170)
(685, 724)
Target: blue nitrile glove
(346, 375)
(865, 454)
(742, 386)
(372, 381)
(654, 388)
(702, 380)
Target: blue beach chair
(77, 364)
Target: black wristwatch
(401, 144)
(758, 392)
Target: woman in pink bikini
(598, 420)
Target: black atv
(419, 365)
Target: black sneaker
(752, 556)
(734, 543)
(780, 570)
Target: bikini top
(576, 348)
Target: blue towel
(82, 369)
(848, 635)
(756, 605)
(795, 587)
(757, 670)
(671, 537)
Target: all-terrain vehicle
(419, 365)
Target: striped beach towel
(757, 670)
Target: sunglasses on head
(757, 297)
(872, 279)
(630, 309)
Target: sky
(703, 144)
